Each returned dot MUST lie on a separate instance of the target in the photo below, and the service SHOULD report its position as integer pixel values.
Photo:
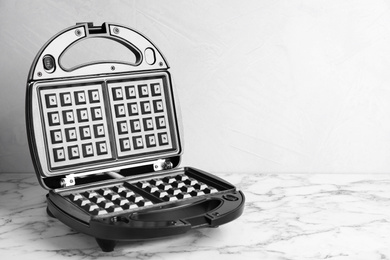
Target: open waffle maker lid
(103, 116)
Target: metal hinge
(69, 180)
(162, 164)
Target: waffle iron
(105, 142)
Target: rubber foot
(106, 245)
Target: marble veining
(287, 216)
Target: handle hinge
(68, 181)
(162, 164)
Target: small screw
(112, 67)
(161, 64)
(78, 32)
(39, 74)
(116, 30)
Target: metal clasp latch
(162, 164)
(69, 180)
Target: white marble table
(287, 216)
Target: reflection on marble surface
(287, 216)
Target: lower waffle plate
(135, 193)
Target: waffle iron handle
(209, 212)
(47, 63)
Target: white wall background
(264, 86)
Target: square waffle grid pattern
(134, 195)
(109, 199)
(75, 125)
(140, 117)
(172, 188)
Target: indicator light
(49, 63)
